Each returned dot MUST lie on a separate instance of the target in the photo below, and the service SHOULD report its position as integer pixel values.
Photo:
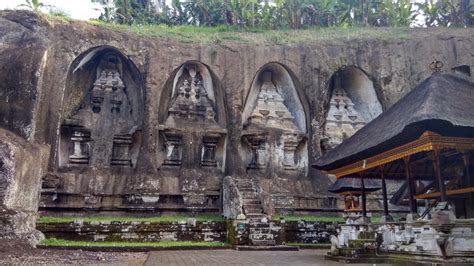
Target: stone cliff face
(178, 118)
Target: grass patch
(225, 34)
(163, 218)
(67, 243)
(311, 218)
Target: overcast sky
(78, 9)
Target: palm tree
(34, 5)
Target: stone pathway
(233, 257)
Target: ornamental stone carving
(274, 136)
(353, 104)
(192, 133)
(100, 133)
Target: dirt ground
(14, 255)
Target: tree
(34, 5)
(293, 14)
(457, 13)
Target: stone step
(252, 206)
(258, 224)
(257, 237)
(247, 190)
(268, 248)
(249, 207)
(255, 215)
(244, 185)
(243, 181)
(249, 195)
(253, 211)
(263, 230)
(267, 231)
(251, 201)
(263, 242)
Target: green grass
(311, 218)
(65, 243)
(233, 34)
(163, 218)
(224, 34)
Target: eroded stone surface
(22, 166)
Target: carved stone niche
(104, 130)
(79, 138)
(191, 101)
(353, 104)
(121, 150)
(274, 123)
(174, 149)
(208, 151)
(259, 153)
(193, 121)
(291, 141)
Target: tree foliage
(34, 5)
(294, 14)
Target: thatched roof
(443, 103)
(353, 184)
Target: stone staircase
(262, 233)
(252, 205)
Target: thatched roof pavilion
(421, 137)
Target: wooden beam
(449, 192)
(427, 142)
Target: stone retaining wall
(136, 231)
(242, 232)
(237, 232)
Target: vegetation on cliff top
(231, 34)
(279, 22)
(292, 14)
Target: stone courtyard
(232, 257)
(181, 258)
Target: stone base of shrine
(442, 238)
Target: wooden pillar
(384, 194)
(364, 199)
(411, 186)
(439, 177)
(468, 182)
(467, 170)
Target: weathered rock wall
(22, 165)
(37, 57)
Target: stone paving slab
(234, 257)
